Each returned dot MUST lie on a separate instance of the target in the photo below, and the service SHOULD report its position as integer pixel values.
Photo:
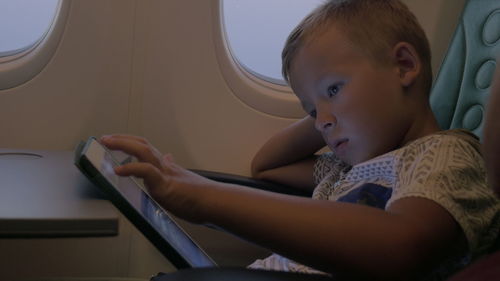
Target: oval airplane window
(30, 32)
(249, 38)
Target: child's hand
(288, 157)
(175, 188)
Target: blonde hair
(375, 26)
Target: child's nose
(325, 121)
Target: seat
(462, 86)
(458, 99)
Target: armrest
(239, 274)
(250, 182)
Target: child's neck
(424, 124)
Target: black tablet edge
(130, 213)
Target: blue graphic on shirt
(369, 194)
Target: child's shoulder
(458, 135)
(456, 139)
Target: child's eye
(312, 114)
(333, 90)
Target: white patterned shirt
(445, 167)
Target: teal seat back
(462, 86)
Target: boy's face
(360, 108)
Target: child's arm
(288, 157)
(398, 244)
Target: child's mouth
(339, 145)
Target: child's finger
(168, 157)
(143, 152)
(124, 136)
(152, 176)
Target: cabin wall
(150, 68)
(84, 90)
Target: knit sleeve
(450, 171)
(328, 165)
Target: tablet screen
(132, 192)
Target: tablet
(131, 198)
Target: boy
(400, 200)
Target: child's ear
(408, 63)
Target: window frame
(274, 99)
(24, 64)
